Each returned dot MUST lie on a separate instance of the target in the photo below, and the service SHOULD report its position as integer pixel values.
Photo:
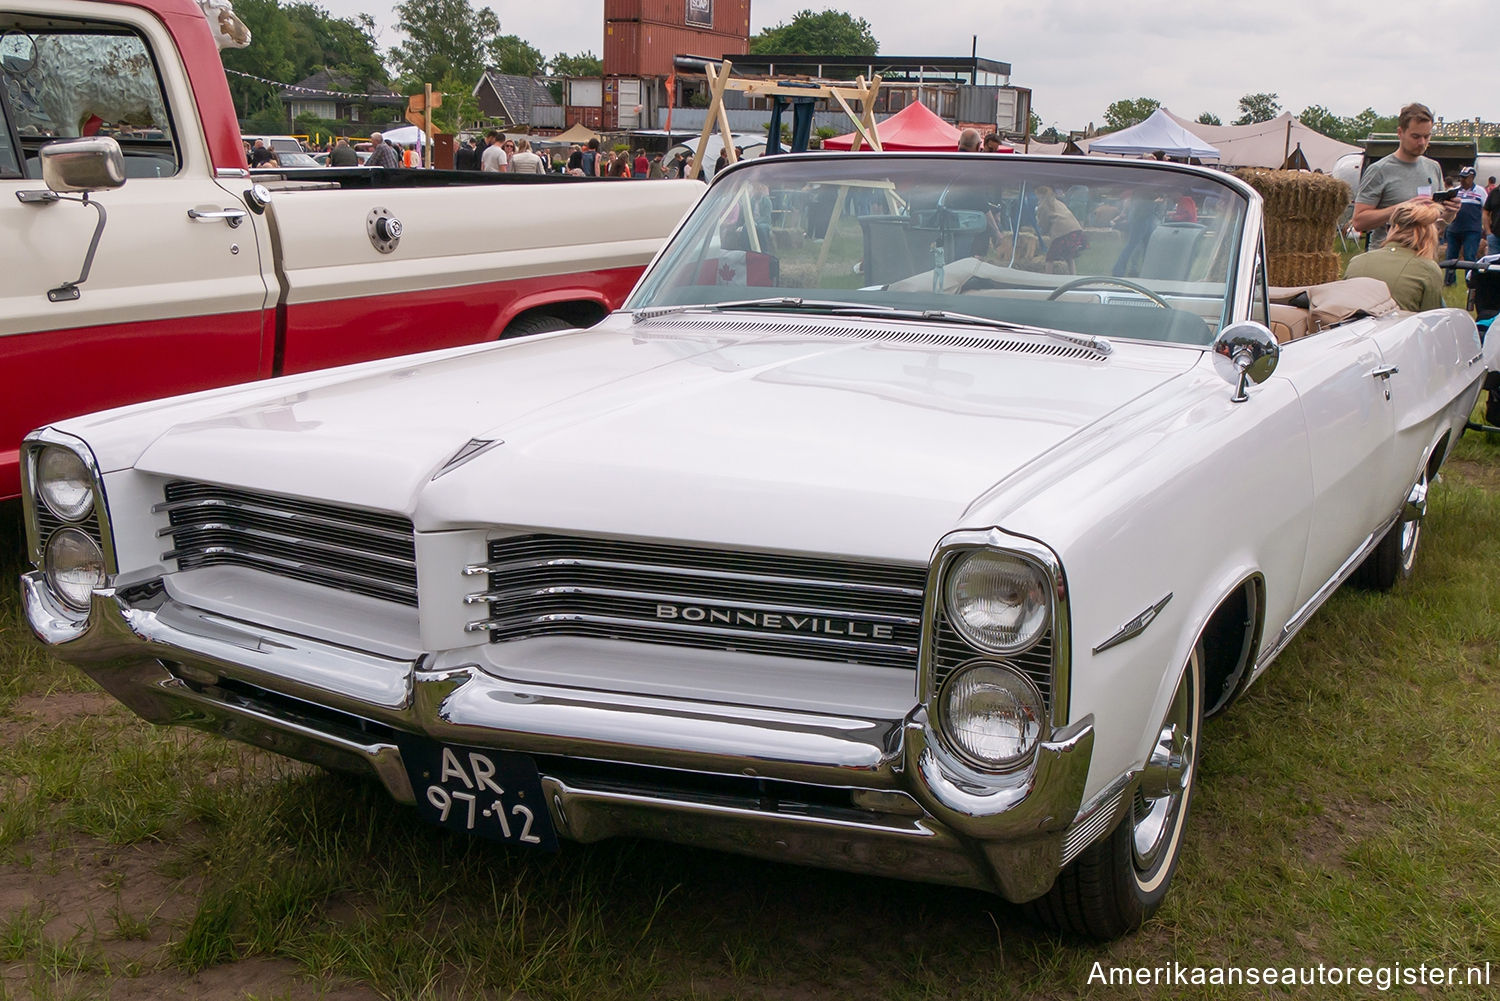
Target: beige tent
(1268, 144)
(577, 134)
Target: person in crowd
(721, 162)
(493, 160)
(381, 153)
(1406, 260)
(654, 171)
(1491, 216)
(679, 166)
(260, 154)
(1061, 229)
(1139, 219)
(575, 159)
(968, 141)
(1467, 227)
(1490, 186)
(343, 155)
(465, 156)
(525, 161)
(591, 161)
(992, 142)
(509, 146)
(410, 157)
(1400, 177)
(1186, 210)
(620, 165)
(642, 165)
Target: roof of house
(517, 94)
(330, 86)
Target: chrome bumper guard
(911, 812)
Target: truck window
(65, 78)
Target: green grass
(1348, 814)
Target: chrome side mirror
(93, 163)
(1244, 353)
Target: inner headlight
(991, 715)
(74, 566)
(64, 483)
(997, 601)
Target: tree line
(1260, 107)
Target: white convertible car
(909, 520)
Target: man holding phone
(1465, 229)
(1400, 177)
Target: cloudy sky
(1079, 55)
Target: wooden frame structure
(719, 80)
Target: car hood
(833, 437)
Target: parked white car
(897, 524)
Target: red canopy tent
(912, 128)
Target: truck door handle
(232, 216)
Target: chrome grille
(792, 606)
(47, 523)
(365, 552)
(950, 652)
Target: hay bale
(1302, 217)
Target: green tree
(583, 64)
(818, 33)
(1209, 118)
(445, 39)
(1320, 119)
(1123, 114)
(293, 42)
(1258, 108)
(519, 57)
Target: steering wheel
(1077, 283)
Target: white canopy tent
(1157, 133)
(410, 135)
(1269, 143)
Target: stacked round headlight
(64, 483)
(991, 715)
(998, 602)
(71, 560)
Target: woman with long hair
(1407, 261)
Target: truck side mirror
(93, 163)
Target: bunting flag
(306, 90)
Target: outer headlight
(998, 602)
(991, 715)
(74, 566)
(64, 483)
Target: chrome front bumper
(881, 796)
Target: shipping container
(730, 17)
(643, 48)
(591, 118)
(587, 92)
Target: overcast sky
(1077, 56)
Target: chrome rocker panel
(916, 813)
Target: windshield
(1110, 248)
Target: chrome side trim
(514, 594)
(1135, 626)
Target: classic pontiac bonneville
(909, 519)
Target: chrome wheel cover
(1154, 820)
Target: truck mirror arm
(68, 291)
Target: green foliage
(1209, 118)
(1351, 129)
(819, 33)
(270, 121)
(445, 38)
(292, 42)
(583, 64)
(1034, 123)
(1123, 114)
(519, 57)
(459, 110)
(1260, 107)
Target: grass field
(1348, 815)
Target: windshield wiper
(837, 308)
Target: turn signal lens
(998, 602)
(74, 566)
(991, 715)
(65, 483)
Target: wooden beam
(716, 84)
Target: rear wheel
(535, 323)
(1118, 882)
(1394, 556)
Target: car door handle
(1384, 372)
(232, 216)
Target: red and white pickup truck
(182, 271)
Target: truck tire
(535, 323)
(1119, 881)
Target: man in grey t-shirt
(1400, 177)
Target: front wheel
(1118, 882)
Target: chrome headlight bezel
(40, 520)
(1011, 679)
(1040, 619)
